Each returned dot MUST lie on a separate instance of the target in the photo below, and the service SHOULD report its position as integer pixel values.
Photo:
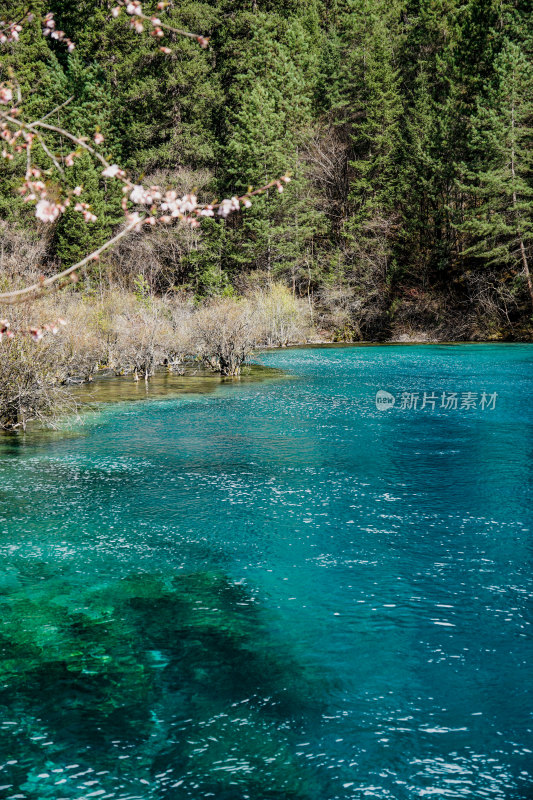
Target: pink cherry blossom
(188, 203)
(112, 171)
(227, 206)
(6, 95)
(47, 211)
(138, 195)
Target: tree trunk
(518, 232)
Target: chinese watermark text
(433, 401)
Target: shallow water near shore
(274, 588)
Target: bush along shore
(133, 333)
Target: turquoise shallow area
(276, 590)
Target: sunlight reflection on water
(276, 589)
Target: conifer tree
(265, 130)
(500, 219)
(371, 106)
(74, 237)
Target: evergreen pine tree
(265, 130)
(372, 106)
(500, 218)
(75, 238)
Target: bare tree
(223, 334)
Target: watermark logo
(384, 400)
(432, 401)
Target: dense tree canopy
(407, 126)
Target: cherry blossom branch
(134, 9)
(37, 289)
(36, 333)
(56, 109)
(152, 200)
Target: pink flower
(112, 171)
(47, 211)
(138, 195)
(98, 138)
(135, 218)
(77, 191)
(188, 203)
(227, 206)
(6, 95)
(166, 50)
(115, 11)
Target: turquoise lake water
(277, 590)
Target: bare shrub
(125, 332)
(83, 345)
(223, 334)
(144, 339)
(280, 317)
(21, 254)
(29, 386)
(155, 256)
(496, 301)
(338, 311)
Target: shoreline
(106, 388)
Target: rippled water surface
(277, 590)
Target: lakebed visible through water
(277, 589)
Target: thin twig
(54, 110)
(50, 155)
(33, 291)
